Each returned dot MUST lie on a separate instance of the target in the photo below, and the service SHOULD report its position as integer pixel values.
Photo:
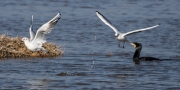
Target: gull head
(24, 39)
(116, 34)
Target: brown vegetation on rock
(15, 48)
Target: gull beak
(134, 45)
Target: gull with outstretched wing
(121, 36)
(36, 40)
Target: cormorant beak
(134, 45)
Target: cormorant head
(136, 45)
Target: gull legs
(123, 44)
(119, 44)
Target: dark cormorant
(137, 52)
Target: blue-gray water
(87, 42)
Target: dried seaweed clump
(15, 48)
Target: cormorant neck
(137, 53)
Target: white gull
(121, 36)
(35, 42)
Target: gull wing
(106, 21)
(139, 30)
(31, 32)
(45, 29)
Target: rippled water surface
(92, 58)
